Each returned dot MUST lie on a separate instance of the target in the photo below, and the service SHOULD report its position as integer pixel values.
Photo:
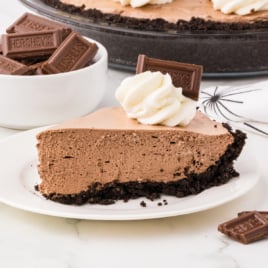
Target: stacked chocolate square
(35, 45)
(248, 227)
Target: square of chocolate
(9, 66)
(246, 228)
(29, 22)
(30, 44)
(184, 75)
(74, 52)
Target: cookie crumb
(143, 204)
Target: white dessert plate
(18, 177)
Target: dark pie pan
(237, 54)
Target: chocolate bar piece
(186, 76)
(9, 66)
(246, 228)
(31, 23)
(75, 52)
(31, 44)
(263, 213)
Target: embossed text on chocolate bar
(9, 66)
(246, 228)
(31, 23)
(31, 44)
(75, 52)
(263, 213)
(186, 76)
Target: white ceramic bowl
(38, 100)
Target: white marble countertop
(29, 240)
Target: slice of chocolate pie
(157, 144)
(106, 157)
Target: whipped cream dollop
(240, 7)
(139, 3)
(152, 99)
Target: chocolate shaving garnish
(248, 227)
(31, 23)
(187, 76)
(31, 44)
(9, 66)
(75, 52)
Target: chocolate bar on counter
(248, 227)
(184, 75)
